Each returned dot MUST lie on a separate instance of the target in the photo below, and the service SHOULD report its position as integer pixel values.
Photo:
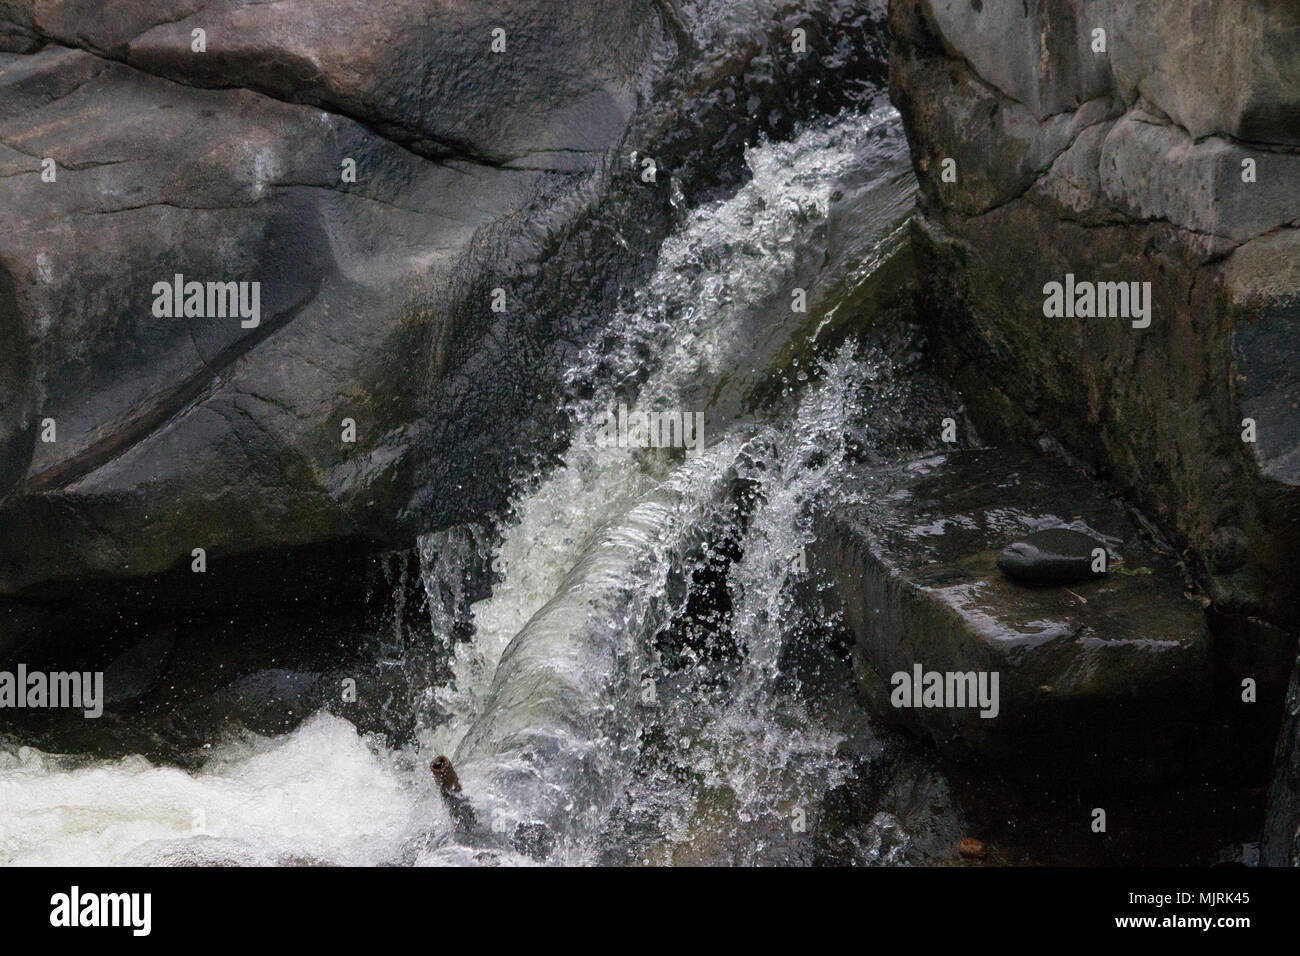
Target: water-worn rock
(234, 436)
(1054, 556)
(422, 74)
(1102, 676)
(475, 171)
(1161, 152)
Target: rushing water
(633, 688)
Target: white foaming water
(715, 277)
(584, 570)
(317, 795)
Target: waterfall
(628, 663)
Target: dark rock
(558, 95)
(271, 701)
(1281, 843)
(1107, 677)
(1124, 165)
(1252, 662)
(183, 433)
(137, 671)
(534, 840)
(1054, 556)
(1239, 854)
(475, 171)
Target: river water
(651, 678)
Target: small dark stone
(1056, 556)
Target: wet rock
(136, 672)
(229, 434)
(533, 840)
(271, 701)
(1238, 854)
(1104, 676)
(474, 171)
(1163, 158)
(1265, 353)
(1054, 556)
(559, 92)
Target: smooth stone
(1055, 556)
(911, 551)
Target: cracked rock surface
(1170, 157)
(475, 171)
(228, 165)
(1127, 164)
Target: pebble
(1056, 556)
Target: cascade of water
(545, 706)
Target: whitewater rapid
(545, 708)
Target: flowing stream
(646, 681)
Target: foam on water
(698, 336)
(317, 795)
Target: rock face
(1281, 846)
(170, 433)
(1136, 143)
(127, 440)
(559, 85)
(1100, 677)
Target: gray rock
(1053, 556)
(184, 433)
(1152, 170)
(475, 171)
(1028, 52)
(1099, 677)
(1219, 69)
(1281, 844)
(1123, 166)
(421, 73)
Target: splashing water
(572, 707)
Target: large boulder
(129, 438)
(386, 388)
(1109, 676)
(1138, 143)
(1281, 843)
(175, 433)
(555, 90)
